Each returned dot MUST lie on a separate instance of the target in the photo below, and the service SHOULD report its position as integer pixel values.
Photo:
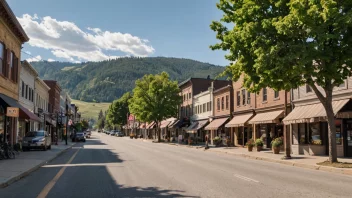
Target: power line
(39, 60)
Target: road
(107, 166)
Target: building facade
(54, 107)
(308, 125)
(41, 101)
(12, 36)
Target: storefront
(309, 128)
(163, 129)
(239, 126)
(267, 126)
(151, 130)
(217, 129)
(196, 130)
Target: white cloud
(28, 52)
(66, 40)
(51, 60)
(34, 59)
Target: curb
(26, 173)
(284, 162)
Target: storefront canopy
(24, 113)
(142, 126)
(312, 112)
(215, 124)
(150, 125)
(267, 117)
(164, 124)
(239, 120)
(195, 126)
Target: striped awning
(312, 112)
(164, 124)
(239, 120)
(150, 125)
(215, 124)
(195, 126)
(267, 117)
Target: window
(238, 94)
(222, 103)
(248, 97)
(243, 97)
(308, 89)
(204, 108)
(265, 96)
(26, 92)
(210, 106)
(227, 102)
(189, 95)
(22, 89)
(30, 94)
(2, 58)
(11, 65)
(276, 94)
(218, 104)
(184, 97)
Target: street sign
(12, 112)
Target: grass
(90, 109)
(336, 164)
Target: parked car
(112, 133)
(36, 140)
(79, 137)
(88, 133)
(99, 131)
(120, 134)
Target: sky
(87, 30)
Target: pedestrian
(206, 142)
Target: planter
(259, 148)
(250, 148)
(276, 150)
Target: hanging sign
(12, 112)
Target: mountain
(107, 80)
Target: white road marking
(245, 178)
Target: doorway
(348, 139)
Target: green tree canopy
(118, 110)
(284, 44)
(155, 98)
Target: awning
(24, 113)
(239, 120)
(164, 124)
(267, 117)
(150, 125)
(215, 124)
(312, 112)
(50, 121)
(175, 124)
(195, 126)
(142, 126)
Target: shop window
(265, 94)
(276, 94)
(302, 133)
(227, 102)
(218, 104)
(338, 132)
(222, 103)
(308, 89)
(248, 97)
(2, 58)
(315, 134)
(243, 97)
(189, 95)
(238, 94)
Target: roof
(27, 64)
(10, 18)
(222, 88)
(190, 79)
(52, 82)
(42, 82)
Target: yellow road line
(51, 184)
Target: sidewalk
(302, 161)
(12, 170)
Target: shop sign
(12, 112)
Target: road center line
(245, 178)
(51, 184)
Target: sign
(70, 122)
(12, 112)
(131, 117)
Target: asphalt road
(107, 166)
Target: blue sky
(81, 30)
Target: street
(108, 166)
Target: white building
(41, 100)
(28, 76)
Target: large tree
(284, 44)
(155, 98)
(118, 110)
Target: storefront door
(348, 135)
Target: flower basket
(276, 145)
(250, 144)
(276, 150)
(259, 144)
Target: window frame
(243, 93)
(248, 97)
(222, 103)
(2, 58)
(238, 98)
(218, 104)
(26, 92)
(276, 94)
(265, 94)
(22, 91)
(227, 102)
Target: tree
(85, 124)
(155, 98)
(100, 114)
(288, 43)
(118, 110)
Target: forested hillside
(107, 80)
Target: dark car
(120, 134)
(79, 137)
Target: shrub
(250, 143)
(277, 142)
(259, 142)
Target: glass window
(30, 94)
(189, 95)
(238, 98)
(276, 94)
(338, 132)
(265, 96)
(23, 89)
(308, 89)
(248, 97)
(243, 97)
(204, 108)
(222, 103)
(227, 102)
(11, 65)
(2, 58)
(218, 104)
(315, 133)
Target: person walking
(206, 142)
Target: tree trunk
(158, 130)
